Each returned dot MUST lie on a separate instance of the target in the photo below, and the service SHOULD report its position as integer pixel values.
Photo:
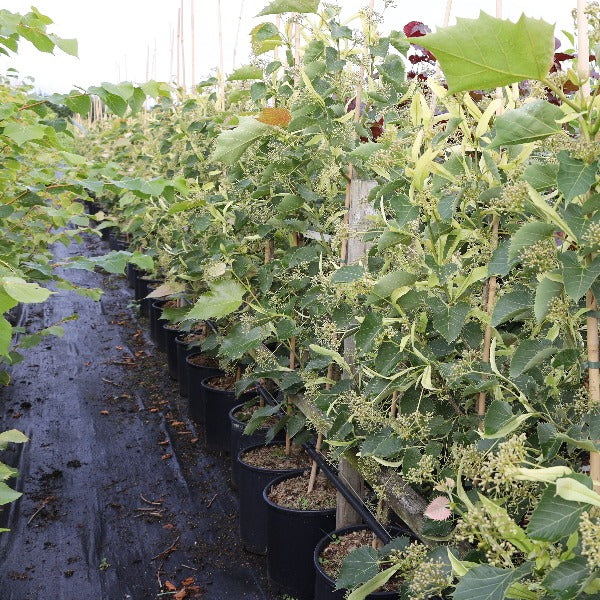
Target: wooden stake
(491, 285)
(193, 27)
(221, 60)
(297, 50)
(593, 351)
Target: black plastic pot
(155, 313)
(291, 538)
(217, 405)
(171, 334)
(113, 237)
(142, 282)
(253, 509)
(161, 337)
(132, 274)
(196, 374)
(325, 585)
(146, 286)
(183, 351)
(240, 441)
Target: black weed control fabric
(120, 501)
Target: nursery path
(119, 496)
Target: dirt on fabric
(120, 499)
(273, 457)
(293, 493)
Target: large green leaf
(279, 7)
(5, 336)
(528, 354)
(449, 321)
(231, 145)
(510, 306)
(541, 176)
(529, 234)
(264, 38)
(533, 121)
(568, 579)
(347, 274)
(554, 517)
(545, 291)
(577, 279)
(7, 494)
(367, 332)
(223, 298)
(241, 339)
(575, 177)
(374, 584)
(14, 436)
(359, 566)
(489, 52)
(20, 133)
(500, 421)
(24, 291)
(485, 582)
(246, 73)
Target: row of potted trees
(452, 359)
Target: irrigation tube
(354, 502)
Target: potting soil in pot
(273, 458)
(293, 493)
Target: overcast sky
(116, 37)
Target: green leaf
(501, 264)
(500, 421)
(122, 90)
(7, 494)
(568, 579)
(488, 52)
(545, 291)
(577, 279)
(223, 298)
(347, 274)
(241, 339)
(529, 234)
(450, 321)
(231, 145)
(528, 354)
(246, 73)
(367, 332)
(37, 37)
(21, 133)
(24, 291)
(392, 281)
(68, 46)
(574, 176)
(264, 38)
(358, 567)
(533, 121)
(5, 336)
(392, 71)
(384, 444)
(279, 7)
(374, 584)
(541, 176)
(554, 517)
(13, 436)
(6, 302)
(510, 306)
(485, 582)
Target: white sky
(115, 36)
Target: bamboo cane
(491, 285)
(237, 34)
(182, 50)
(193, 33)
(593, 351)
(221, 61)
(178, 47)
(172, 41)
(297, 50)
